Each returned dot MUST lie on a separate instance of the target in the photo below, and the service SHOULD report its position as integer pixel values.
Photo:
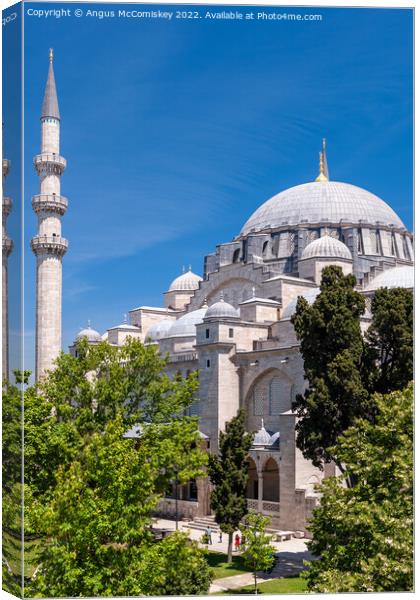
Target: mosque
(232, 324)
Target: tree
(258, 552)
(98, 521)
(390, 338)
(92, 489)
(332, 348)
(175, 567)
(363, 535)
(228, 472)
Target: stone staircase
(202, 523)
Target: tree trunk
(229, 555)
(255, 582)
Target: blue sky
(175, 132)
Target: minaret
(7, 246)
(48, 245)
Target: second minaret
(48, 245)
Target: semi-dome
(326, 247)
(320, 201)
(222, 310)
(159, 330)
(89, 334)
(309, 296)
(185, 326)
(188, 281)
(392, 278)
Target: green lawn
(220, 568)
(285, 585)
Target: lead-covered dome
(321, 201)
(326, 247)
(185, 326)
(89, 334)
(159, 330)
(222, 310)
(188, 281)
(392, 278)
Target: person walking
(209, 532)
(220, 536)
(237, 542)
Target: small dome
(222, 310)
(262, 437)
(185, 326)
(326, 247)
(188, 281)
(392, 278)
(159, 330)
(89, 334)
(309, 296)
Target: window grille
(258, 401)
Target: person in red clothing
(237, 542)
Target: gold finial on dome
(321, 176)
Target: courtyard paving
(290, 556)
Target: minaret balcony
(50, 162)
(7, 206)
(50, 203)
(49, 244)
(6, 166)
(7, 246)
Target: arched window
(236, 255)
(378, 242)
(394, 250)
(265, 248)
(359, 242)
(405, 248)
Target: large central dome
(319, 201)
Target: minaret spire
(48, 245)
(50, 103)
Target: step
(200, 527)
(210, 520)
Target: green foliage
(258, 552)
(228, 472)
(175, 566)
(91, 491)
(332, 348)
(364, 534)
(11, 436)
(390, 339)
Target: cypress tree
(228, 473)
(333, 351)
(390, 339)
